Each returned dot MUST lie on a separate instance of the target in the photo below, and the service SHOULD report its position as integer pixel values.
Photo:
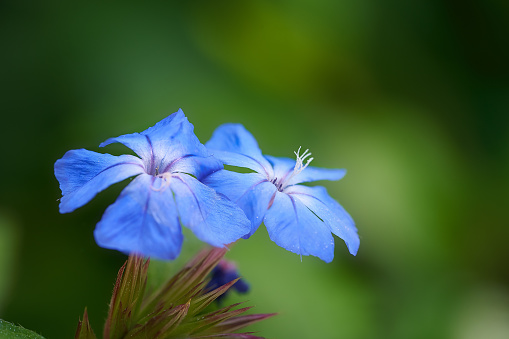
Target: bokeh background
(411, 97)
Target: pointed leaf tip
(245, 335)
(203, 301)
(236, 323)
(84, 331)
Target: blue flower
(298, 218)
(146, 218)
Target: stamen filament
(299, 164)
(298, 168)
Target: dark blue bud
(223, 273)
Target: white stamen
(299, 164)
(299, 167)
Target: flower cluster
(180, 181)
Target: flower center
(298, 168)
(166, 176)
(278, 184)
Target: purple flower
(298, 218)
(146, 218)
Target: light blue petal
(139, 143)
(283, 168)
(198, 166)
(142, 143)
(143, 220)
(210, 215)
(333, 214)
(169, 144)
(235, 146)
(311, 173)
(82, 174)
(294, 227)
(182, 151)
(250, 191)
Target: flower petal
(283, 169)
(200, 167)
(210, 215)
(82, 174)
(169, 144)
(333, 214)
(143, 220)
(294, 227)
(142, 143)
(252, 192)
(235, 146)
(311, 173)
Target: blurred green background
(411, 97)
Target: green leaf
(8, 330)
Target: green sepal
(162, 324)
(176, 310)
(84, 331)
(246, 335)
(187, 283)
(127, 297)
(236, 323)
(198, 304)
(201, 325)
